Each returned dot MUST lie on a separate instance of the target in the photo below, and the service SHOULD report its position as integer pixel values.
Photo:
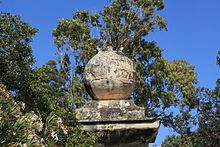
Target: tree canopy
(34, 105)
(37, 104)
(207, 133)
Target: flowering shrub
(16, 127)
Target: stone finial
(109, 76)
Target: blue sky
(193, 31)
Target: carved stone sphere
(109, 76)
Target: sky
(193, 32)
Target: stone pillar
(110, 79)
(120, 123)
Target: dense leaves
(208, 117)
(183, 141)
(36, 109)
(16, 128)
(15, 52)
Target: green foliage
(55, 105)
(208, 116)
(124, 25)
(15, 52)
(46, 88)
(40, 111)
(125, 22)
(59, 133)
(17, 128)
(183, 141)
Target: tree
(124, 24)
(208, 116)
(183, 141)
(16, 56)
(35, 110)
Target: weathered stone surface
(126, 138)
(110, 110)
(109, 79)
(109, 76)
(120, 123)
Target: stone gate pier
(109, 80)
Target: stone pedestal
(120, 123)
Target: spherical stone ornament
(109, 76)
